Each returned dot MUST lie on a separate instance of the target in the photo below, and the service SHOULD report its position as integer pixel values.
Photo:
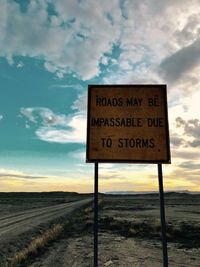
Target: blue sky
(51, 50)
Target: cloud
(80, 103)
(47, 116)
(78, 36)
(76, 133)
(73, 126)
(20, 65)
(190, 32)
(28, 113)
(77, 86)
(4, 173)
(176, 140)
(195, 143)
(64, 34)
(190, 165)
(191, 128)
(12, 181)
(182, 154)
(79, 154)
(58, 128)
(177, 64)
(186, 173)
(1, 117)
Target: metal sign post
(162, 216)
(96, 214)
(128, 124)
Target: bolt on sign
(127, 123)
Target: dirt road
(15, 224)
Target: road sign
(127, 123)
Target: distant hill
(150, 192)
(37, 194)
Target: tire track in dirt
(18, 223)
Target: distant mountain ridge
(150, 192)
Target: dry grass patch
(35, 245)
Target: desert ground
(56, 229)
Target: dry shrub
(35, 245)
(40, 242)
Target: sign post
(162, 216)
(128, 124)
(96, 191)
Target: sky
(50, 51)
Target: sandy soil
(115, 250)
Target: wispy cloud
(47, 116)
(80, 104)
(79, 154)
(12, 180)
(58, 128)
(77, 86)
(75, 134)
(20, 65)
(12, 174)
